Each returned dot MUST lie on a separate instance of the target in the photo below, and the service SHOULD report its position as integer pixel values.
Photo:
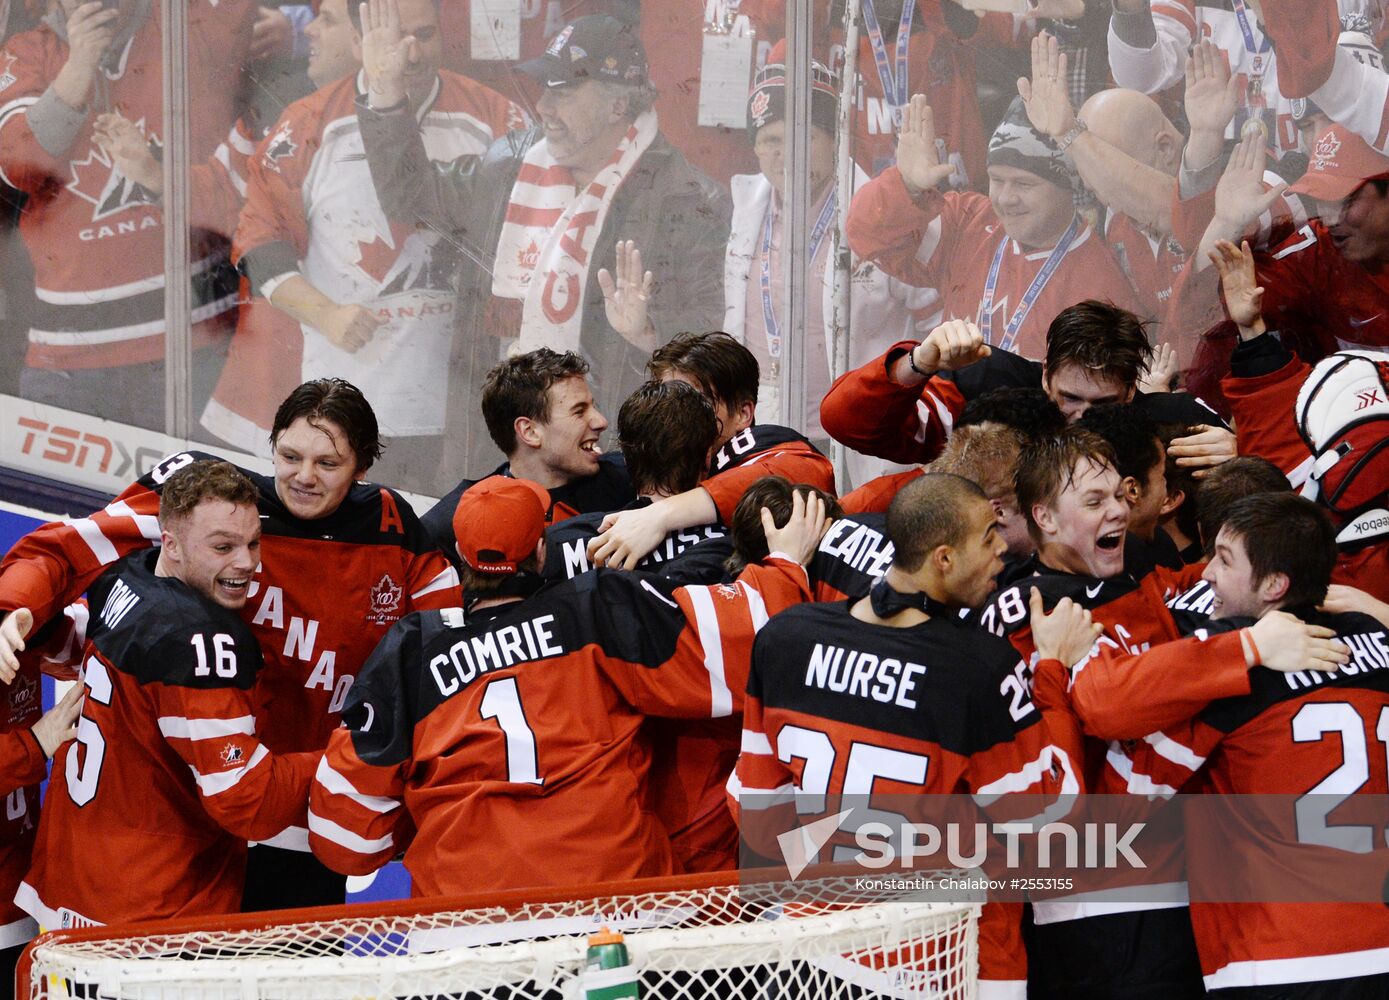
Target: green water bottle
(608, 972)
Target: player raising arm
(167, 774)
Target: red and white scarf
(547, 241)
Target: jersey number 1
(501, 701)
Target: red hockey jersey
(763, 450)
(1263, 409)
(325, 593)
(95, 237)
(166, 774)
(948, 242)
(1301, 734)
(312, 210)
(521, 727)
(838, 706)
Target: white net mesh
(771, 940)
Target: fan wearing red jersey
(727, 373)
(517, 718)
(374, 299)
(167, 773)
(1286, 734)
(320, 523)
(95, 235)
(868, 695)
(1008, 262)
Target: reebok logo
(802, 844)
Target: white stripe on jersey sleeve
(215, 784)
(177, 727)
(707, 628)
(147, 523)
(1169, 749)
(335, 783)
(448, 578)
(344, 837)
(755, 742)
(1136, 782)
(100, 545)
(759, 798)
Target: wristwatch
(1064, 143)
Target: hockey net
(689, 937)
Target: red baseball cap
(498, 522)
(1341, 162)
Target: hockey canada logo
(760, 104)
(385, 601)
(557, 46)
(529, 258)
(1324, 155)
(280, 147)
(7, 77)
(231, 754)
(98, 181)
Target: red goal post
(693, 937)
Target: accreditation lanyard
(1033, 293)
(817, 236)
(894, 84)
(1259, 65)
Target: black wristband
(911, 363)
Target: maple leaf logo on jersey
(1324, 154)
(405, 261)
(7, 75)
(385, 600)
(280, 147)
(231, 754)
(98, 181)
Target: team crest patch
(7, 76)
(385, 601)
(557, 46)
(760, 103)
(529, 257)
(280, 147)
(231, 754)
(1324, 155)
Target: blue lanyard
(1248, 32)
(817, 236)
(1033, 293)
(894, 84)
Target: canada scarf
(547, 240)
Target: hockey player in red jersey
(1287, 735)
(1078, 512)
(540, 413)
(666, 432)
(167, 773)
(903, 405)
(516, 719)
(727, 373)
(341, 561)
(1008, 262)
(96, 237)
(809, 728)
(29, 737)
(1262, 388)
